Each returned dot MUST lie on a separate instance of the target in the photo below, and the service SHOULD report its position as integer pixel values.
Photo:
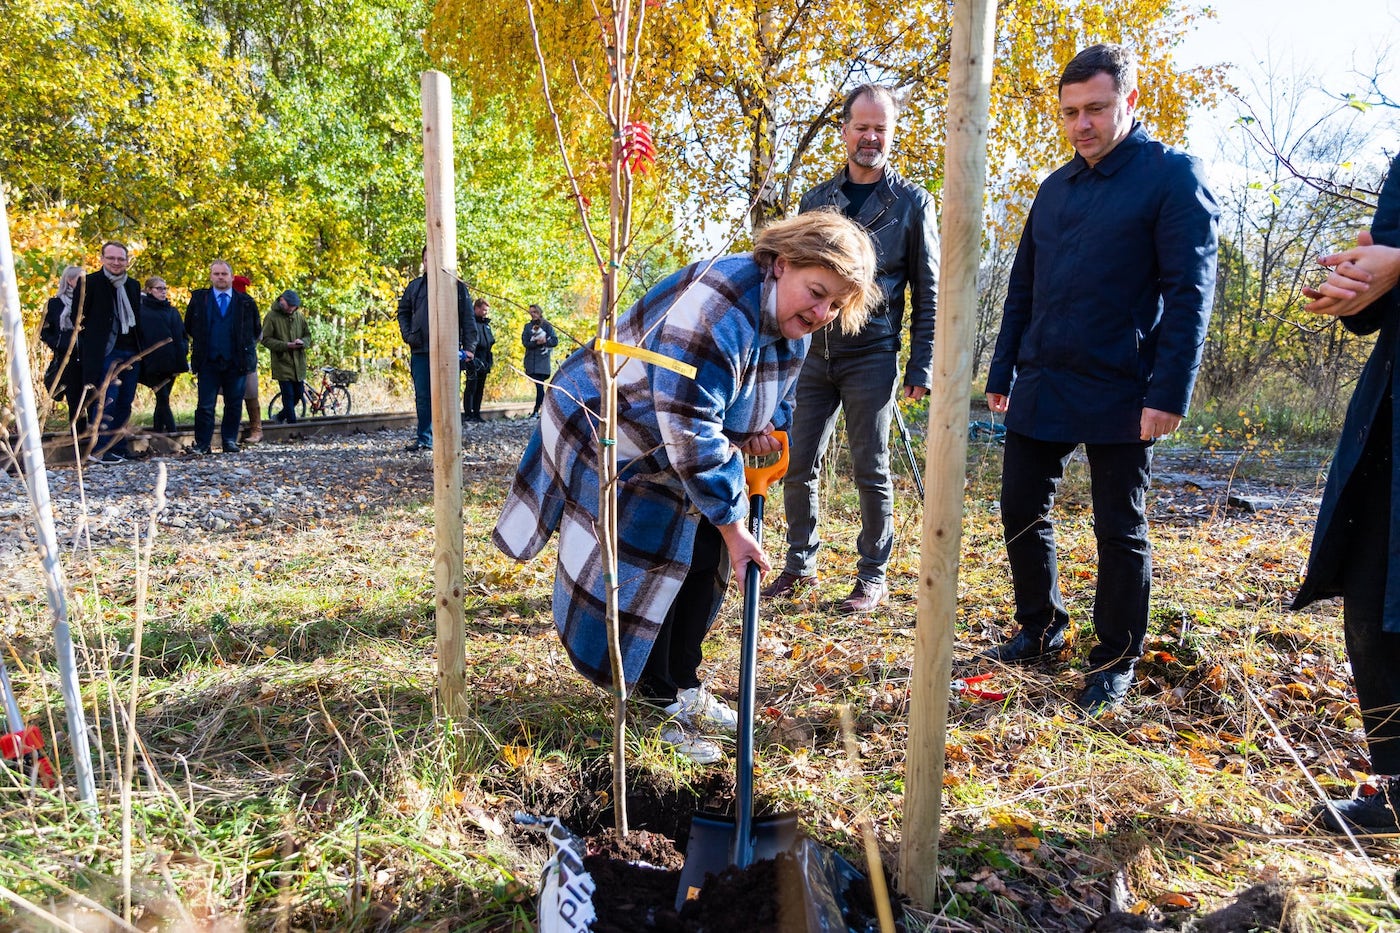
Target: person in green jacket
(287, 336)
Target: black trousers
(475, 388)
(162, 416)
(1118, 474)
(1373, 652)
(674, 662)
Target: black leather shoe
(199, 451)
(1025, 647)
(231, 447)
(1103, 690)
(1374, 813)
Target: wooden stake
(969, 90)
(441, 272)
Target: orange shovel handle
(761, 477)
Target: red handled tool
(24, 746)
(966, 686)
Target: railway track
(58, 448)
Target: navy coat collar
(1117, 157)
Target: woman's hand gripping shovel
(718, 841)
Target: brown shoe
(786, 584)
(865, 596)
(254, 433)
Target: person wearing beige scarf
(109, 338)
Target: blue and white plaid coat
(676, 453)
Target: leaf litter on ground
(294, 774)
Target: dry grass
(291, 774)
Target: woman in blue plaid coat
(743, 322)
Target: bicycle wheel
(274, 407)
(336, 401)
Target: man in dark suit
(223, 328)
(105, 314)
(1100, 342)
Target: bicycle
(332, 399)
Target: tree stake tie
(647, 356)
(966, 687)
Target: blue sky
(1323, 39)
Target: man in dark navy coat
(223, 327)
(1106, 313)
(1356, 542)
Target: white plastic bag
(566, 889)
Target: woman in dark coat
(538, 338)
(63, 378)
(167, 350)
(479, 366)
(1356, 544)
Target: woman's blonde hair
(828, 239)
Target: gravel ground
(314, 479)
(268, 485)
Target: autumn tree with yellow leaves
(745, 96)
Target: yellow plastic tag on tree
(647, 356)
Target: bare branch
(559, 136)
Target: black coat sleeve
(1385, 230)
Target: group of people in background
(108, 336)
(476, 341)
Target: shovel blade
(711, 848)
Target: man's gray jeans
(864, 386)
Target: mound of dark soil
(637, 876)
(767, 897)
(637, 879)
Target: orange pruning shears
(966, 686)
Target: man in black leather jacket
(860, 373)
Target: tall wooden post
(969, 90)
(440, 269)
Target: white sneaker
(697, 748)
(698, 707)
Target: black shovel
(716, 840)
